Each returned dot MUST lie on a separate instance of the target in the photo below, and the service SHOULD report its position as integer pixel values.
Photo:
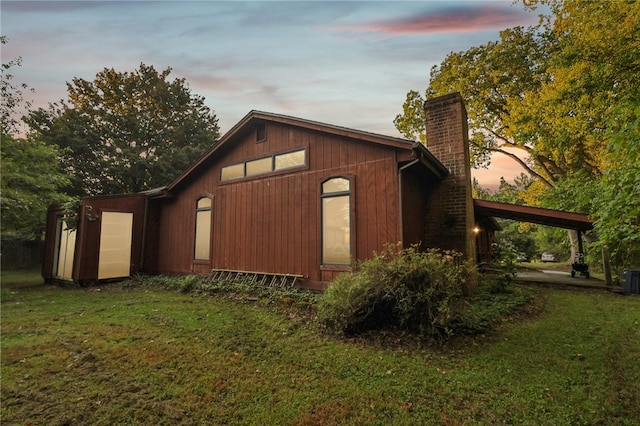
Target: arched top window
(335, 185)
(336, 221)
(203, 229)
(203, 203)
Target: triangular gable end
(357, 135)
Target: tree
(547, 97)
(618, 206)
(542, 95)
(614, 198)
(31, 176)
(487, 77)
(127, 131)
(593, 67)
(11, 96)
(31, 181)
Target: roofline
(333, 129)
(557, 218)
(430, 161)
(394, 142)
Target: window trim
(209, 209)
(273, 172)
(352, 241)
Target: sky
(346, 63)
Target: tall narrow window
(336, 222)
(203, 229)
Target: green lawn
(117, 355)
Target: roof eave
(431, 162)
(557, 218)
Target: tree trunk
(573, 242)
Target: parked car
(549, 257)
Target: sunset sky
(344, 63)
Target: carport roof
(557, 218)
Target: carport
(557, 218)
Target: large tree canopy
(541, 95)
(560, 98)
(127, 131)
(487, 77)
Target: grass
(119, 354)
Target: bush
(419, 291)
(504, 264)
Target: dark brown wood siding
(417, 185)
(271, 223)
(88, 237)
(49, 242)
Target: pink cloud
(451, 20)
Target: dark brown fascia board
(390, 141)
(557, 218)
(429, 160)
(106, 196)
(84, 200)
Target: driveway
(554, 276)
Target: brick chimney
(450, 218)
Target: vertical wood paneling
(335, 152)
(272, 224)
(352, 153)
(326, 153)
(228, 200)
(344, 155)
(297, 239)
(256, 196)
(379, 189)
(281, 233)
(261, 253)
(313, 227)
(290, 226)
(218, 220)
(393, 198)
(362, 202)
(269, 230)
(372, 212)
(247, 214)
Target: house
(280, 197)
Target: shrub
(419, 291)
(504, 266)
(187, 283)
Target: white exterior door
(115, 245)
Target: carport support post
(580, 248)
